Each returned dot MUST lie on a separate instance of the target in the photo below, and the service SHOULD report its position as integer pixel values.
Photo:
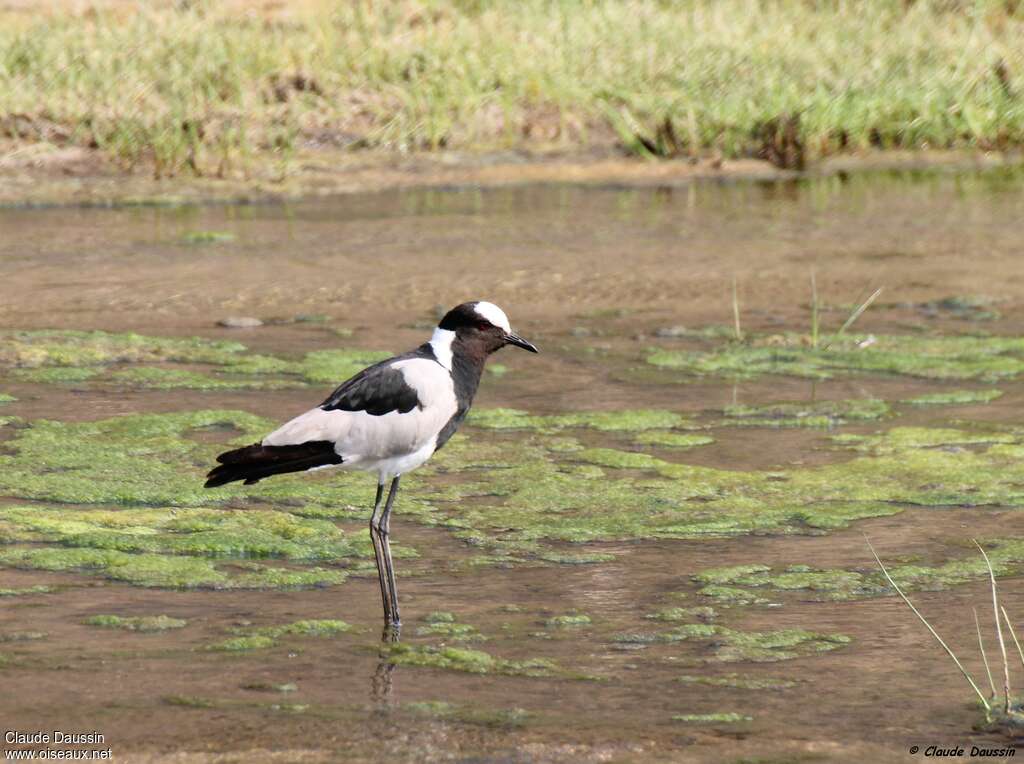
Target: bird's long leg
(385, 531)
(378, 553)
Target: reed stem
(999, 628)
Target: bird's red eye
(483, 326)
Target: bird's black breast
(378, 389)
(466, 372)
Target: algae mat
(556, 490)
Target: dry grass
(213, 86)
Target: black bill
(514, 339)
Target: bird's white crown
(494, 314)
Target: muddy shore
(46, 175)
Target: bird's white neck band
(441, 343)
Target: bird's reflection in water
(382, 682)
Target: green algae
(510, 505)
(726, 717)
(270, 636)
(334, 366)
(828, 584)
(207, 237)
(443, 624)
(676, 634)
(307, 628)
(57, 374)
(465, 714)
(244, 644)
(568, 621)
(157, 378)
(152, 570)
(672, 439)
(932, 357)
(267, 577)
(59, 356)
(537, 498)
(605, 421)
(838, 582)
(933, 440)
(811, 414)
(728, 574)
(623, 460)
(197, 532)
(473, 661)
(738, 682)
(732, 646)
(159, 570)
(954, 397)
(143, 623)
(731, 595)
(67, 348)
(1006, 556)
(451, 632)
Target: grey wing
(377, 390)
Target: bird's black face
(474, 325)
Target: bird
(390, 418)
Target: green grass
(206, 88)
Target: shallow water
(591, 275)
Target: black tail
(255, 462)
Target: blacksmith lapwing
(389, 419)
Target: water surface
(591, 275)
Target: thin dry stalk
(923, 620)
(999, 628)
(858, 311)
(1013, 634)
(736, 311)
(814, 311)
(984, 657)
